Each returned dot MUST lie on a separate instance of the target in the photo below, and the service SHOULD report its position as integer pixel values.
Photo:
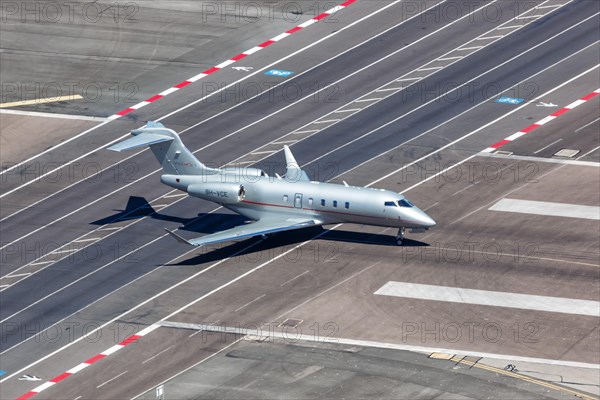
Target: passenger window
(347, 205)
(335, 203)
(322, 202)
(310, 201)
(285, 198)
(390, 204)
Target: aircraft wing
(260, 227)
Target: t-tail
(168, 149)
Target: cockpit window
(390, 204)
(405, 203)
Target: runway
(118, 272)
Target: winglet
(289, 158)
(294, 172)
(178, 238)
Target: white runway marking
(111, 379)
(586, 125)
(50, 115)
(250, 302)
(545, 147)
(294, 278)
(490, 298)
(547, 208)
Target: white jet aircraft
(275, 204)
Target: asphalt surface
(109, 281)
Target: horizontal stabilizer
(141, 140)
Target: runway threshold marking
(490, 298)
(41, 101)
(547, 208)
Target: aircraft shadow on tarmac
(137, 208)
(277, 244)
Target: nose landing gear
(400, 236)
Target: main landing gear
(400, 236)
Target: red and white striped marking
(89, 362)
(230, 61)
(543, 121)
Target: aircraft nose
(426, 221)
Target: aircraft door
(298, 200)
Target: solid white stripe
(490, 298)
(168, 91)
(252, 50)
(334, 9)
(545, 120)
(225, 63)
(43, 387)
(111, 350)
(575, 104)
(196, 77)
(147, 330)
(547, 208)
(78, 368)
(515, 136)
(140, 105)
(307, 23)
(280, 36)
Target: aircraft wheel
(399, 241)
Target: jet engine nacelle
(222, 193)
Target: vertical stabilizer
(168, 149)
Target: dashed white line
(545, 147)
(111, 379)
(294, 278)
(586, 125)
(157, 354)
(250, 302)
